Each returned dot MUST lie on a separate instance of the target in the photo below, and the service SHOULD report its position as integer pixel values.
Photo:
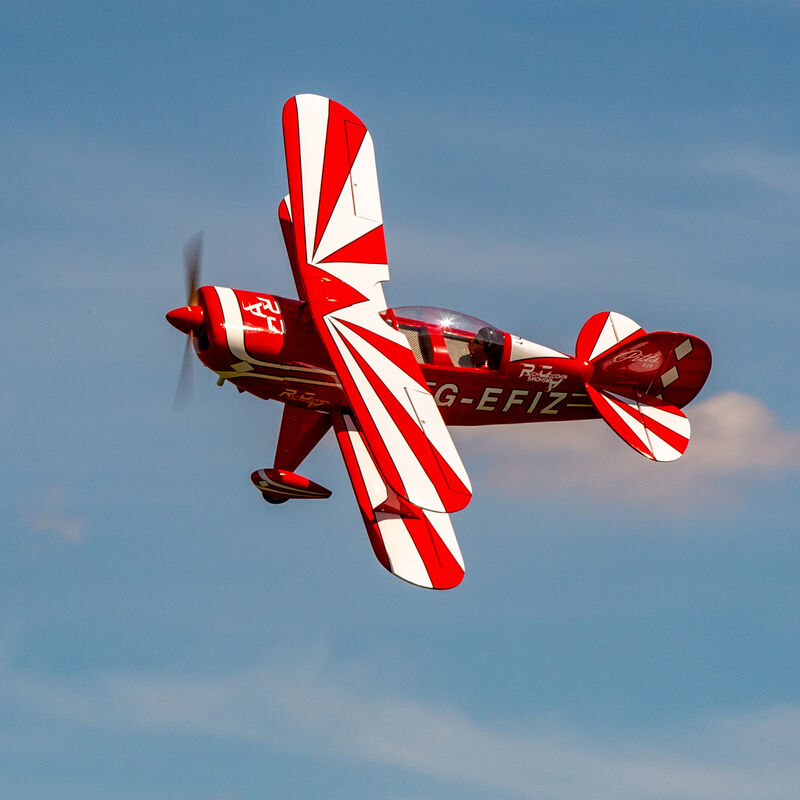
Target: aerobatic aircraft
(390, 380)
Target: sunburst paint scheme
(390, 381)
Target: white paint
(661, 450)
(442, 524)
(312, 124)
(616, 328)
(404, 558)
(371, 478)
(419, 488)
(627, 415)
(605, 341)
(522, 349)
(364, 183)
(675, 422)
(490, 396)
(623, 326)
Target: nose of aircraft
(187, 319)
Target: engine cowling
(241, 326)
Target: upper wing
(340, 257)
(416, 545)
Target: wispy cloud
(735, 439)
(772, 172)
(317, 712)
(53, 518)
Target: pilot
(486, 348)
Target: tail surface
(639, 381)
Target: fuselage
(267, 346)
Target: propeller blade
(192, 259)
(183, 392)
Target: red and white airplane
(390, 381)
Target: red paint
(329, 359)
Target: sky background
(625, 630)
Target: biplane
(390, 380)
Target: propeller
(192, 259)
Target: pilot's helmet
(488, 335)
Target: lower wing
(416, 545)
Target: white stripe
(404, 558)
(442, 524)
(627, 417)
(675, 422)
(345, 224)
(623, 326)
(389, 373)
(232, 376)
(315, 370)
(364, 278)
(400, 384)
(605, 341)
(428, 414)
(312, 125)
(616, 328)
(291, 489)
(234, 333)
(412, 474)
(373, 483)
(661, 450)
(232, 322)
(522, 349)
(364, 182)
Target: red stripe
(367, 249)
(327, 293)
(452, 492)
(343, 140)
(610, 408)
(371, 434)
(673, 439)
(399, 354)
(440, 564)
(359, 488)
(589, 334)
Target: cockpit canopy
(449, 338)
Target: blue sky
(625, 630)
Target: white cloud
(52, 518)
(315, 712)
(778, 173)
(735, 439)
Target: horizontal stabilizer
(658, 431)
